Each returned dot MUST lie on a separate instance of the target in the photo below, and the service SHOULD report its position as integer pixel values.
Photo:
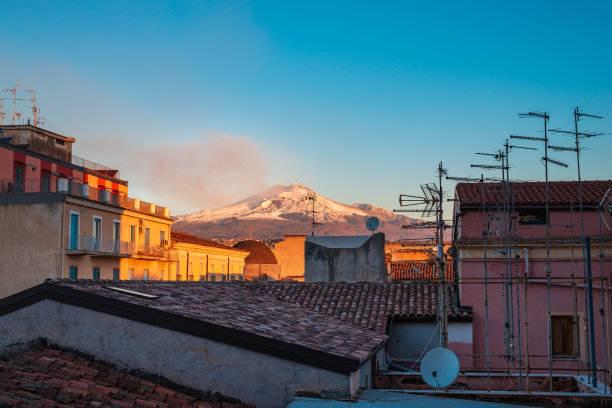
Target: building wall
(192, 361)
(197, 262)
(30, 242)
(263, 271)
(290, 256)
(345, 259)
(532, 258)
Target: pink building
(512, 305)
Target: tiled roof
(190, 239)
(533, 193)
(365, 304)
(405, 270)
(236, 306)
(53, 378)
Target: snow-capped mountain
(284, 210)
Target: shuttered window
(562, 328)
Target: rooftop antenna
(13, 91)
(577, 137)
(432, 199)
(311, 198)
(35, 109)
(2, 112)
(547, 268)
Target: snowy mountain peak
(285, 209)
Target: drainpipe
(62, 241)
(525, 281)
(228, 269)
(206, 267)
(187, 267)
(591, 314)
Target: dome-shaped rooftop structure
(260, 253)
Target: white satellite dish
(372, 223)
(439, 367)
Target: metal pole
(441, 274)
(548, 269)
(602, 311)
(486, 277)
(591, 322)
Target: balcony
(144, 251)
(92, 246)
(72, 188)
(84, 245)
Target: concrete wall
(345, 259)
(263, 271)
(290, 256)
(29, 245)
(192, 361)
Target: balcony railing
(153, 251)
(104, 246)
(42, 146)
(63, 185)
(101, 245)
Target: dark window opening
(562, 328)
(532, 217)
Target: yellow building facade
(201, 259)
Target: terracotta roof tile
(365, 304)
(533, 193)
(405, 270)
(237, 306)
(52, 378)
(190, 239)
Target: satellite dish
(439, 367)
(372, 223)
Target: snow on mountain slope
(284, 210)
(279, 202)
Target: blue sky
(200, 104)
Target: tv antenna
(2, 112)
(13, 91)
(35, 109)
(311, 198)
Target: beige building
(290, 256)
(66, 234)
(204, 260)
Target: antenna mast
(35, 109)
(311, 198)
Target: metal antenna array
(432, 200)
(311, 198)
(15, 114)
(578, 136)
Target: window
(532, 217)
(74, 272)
(162, 238)
(147, 236)
(96, 272)
(115, 273)
(131, 274)
(213, 278)
(45, 182)
(19, 176)
(223, 278)
(190, 271)
(116, 236)
(74, 230)
(161, 274)
(562, 328)
(146, 274)
(97, 233)
(132, 234)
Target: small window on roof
(59, 142)
(132, 292)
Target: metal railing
(109, 246)
(49, 149)
(27, 186)
(62, 186)
(153, 251)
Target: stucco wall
(290, 255)
(345, 259)
(30, 242)
(192, 361)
